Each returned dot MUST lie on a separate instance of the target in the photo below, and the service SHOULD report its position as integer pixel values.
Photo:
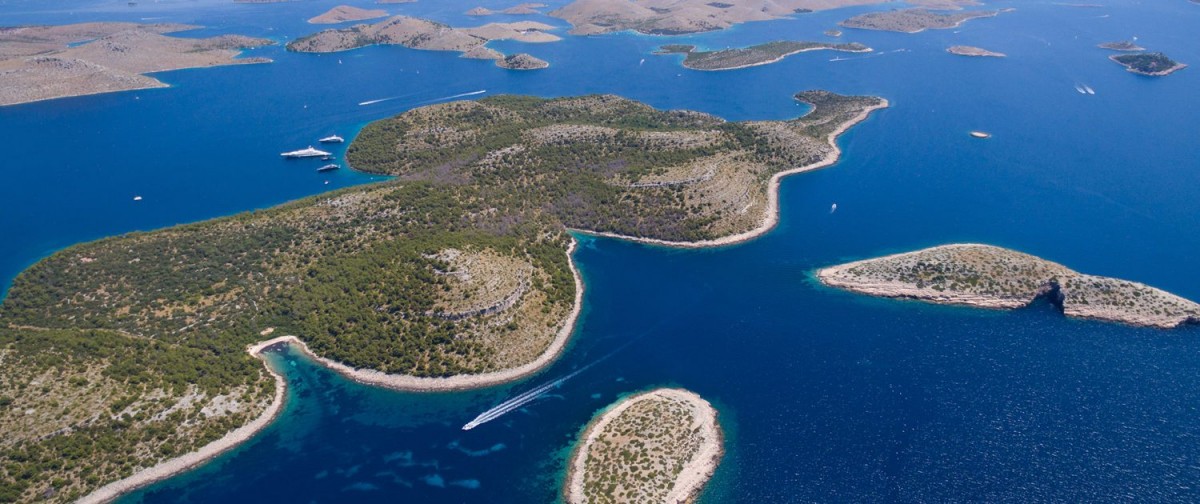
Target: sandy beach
(695, 473)
(111, 491)
(771, 214)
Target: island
(762, 54)
(519, 9)
(454, 274)
(654, 17)
(47, 62)
(417, 33)
(345, 13)
(914, 20)
(986, 276)
(658, 446)
(521, 61)
(1124, 45)
(833, 33)
(963, 50)
(1153, 64)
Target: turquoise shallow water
(827, 396)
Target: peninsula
(346, 13)
(658, 446)
(455, 274)
(416, 33)
(962, 50)
(1124, 45)
(762, 54)
(1153, 64)
(47, 62)
(992, 277)
(914, 20)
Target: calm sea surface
(825, 396)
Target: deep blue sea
(825, 396)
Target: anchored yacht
(305, 153)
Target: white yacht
(332, 139)
(305, 153)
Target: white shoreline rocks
(986, 276)
(697, 459)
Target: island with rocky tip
(1154, 64)
(762, 54)
(986, 276)
(519, 9)
(454, 274)
(915, 20)
(417, 33)
(658, 446)
(963, 50)
(1123, 45)
(46, 62)
(347, 13)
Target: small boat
(137, 198)
(327, 158)
(1089, 89)
(833, 208)
(304, 153)
(981, 134)
(328, 167)
(1080, 89)
(332, 139)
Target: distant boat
(643, 62)
(137, 198)
(332, 139)
(1089, 89)
(833, 208)
(304, 153)
(328, 167)
(327, 158)
(981, 134)
(1080, 89)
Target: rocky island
(416, 33)
(346, 13)
(455, 274)
(1153, 64)
(762, 54)
(1124, 45)
(914, 20)
(521, 61)
(47, 62)
(992, 277)
(519, 9)
(962, 50)
(658, 446)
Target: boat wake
(372, 102)
(516, 402)
(451, 97)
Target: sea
(824, 396)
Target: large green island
(992, 277)
(133, 357)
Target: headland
(762, 54)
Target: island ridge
(762, 54)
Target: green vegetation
(155, 325)
(80, 408)
(1155, 64)
(770, 52)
